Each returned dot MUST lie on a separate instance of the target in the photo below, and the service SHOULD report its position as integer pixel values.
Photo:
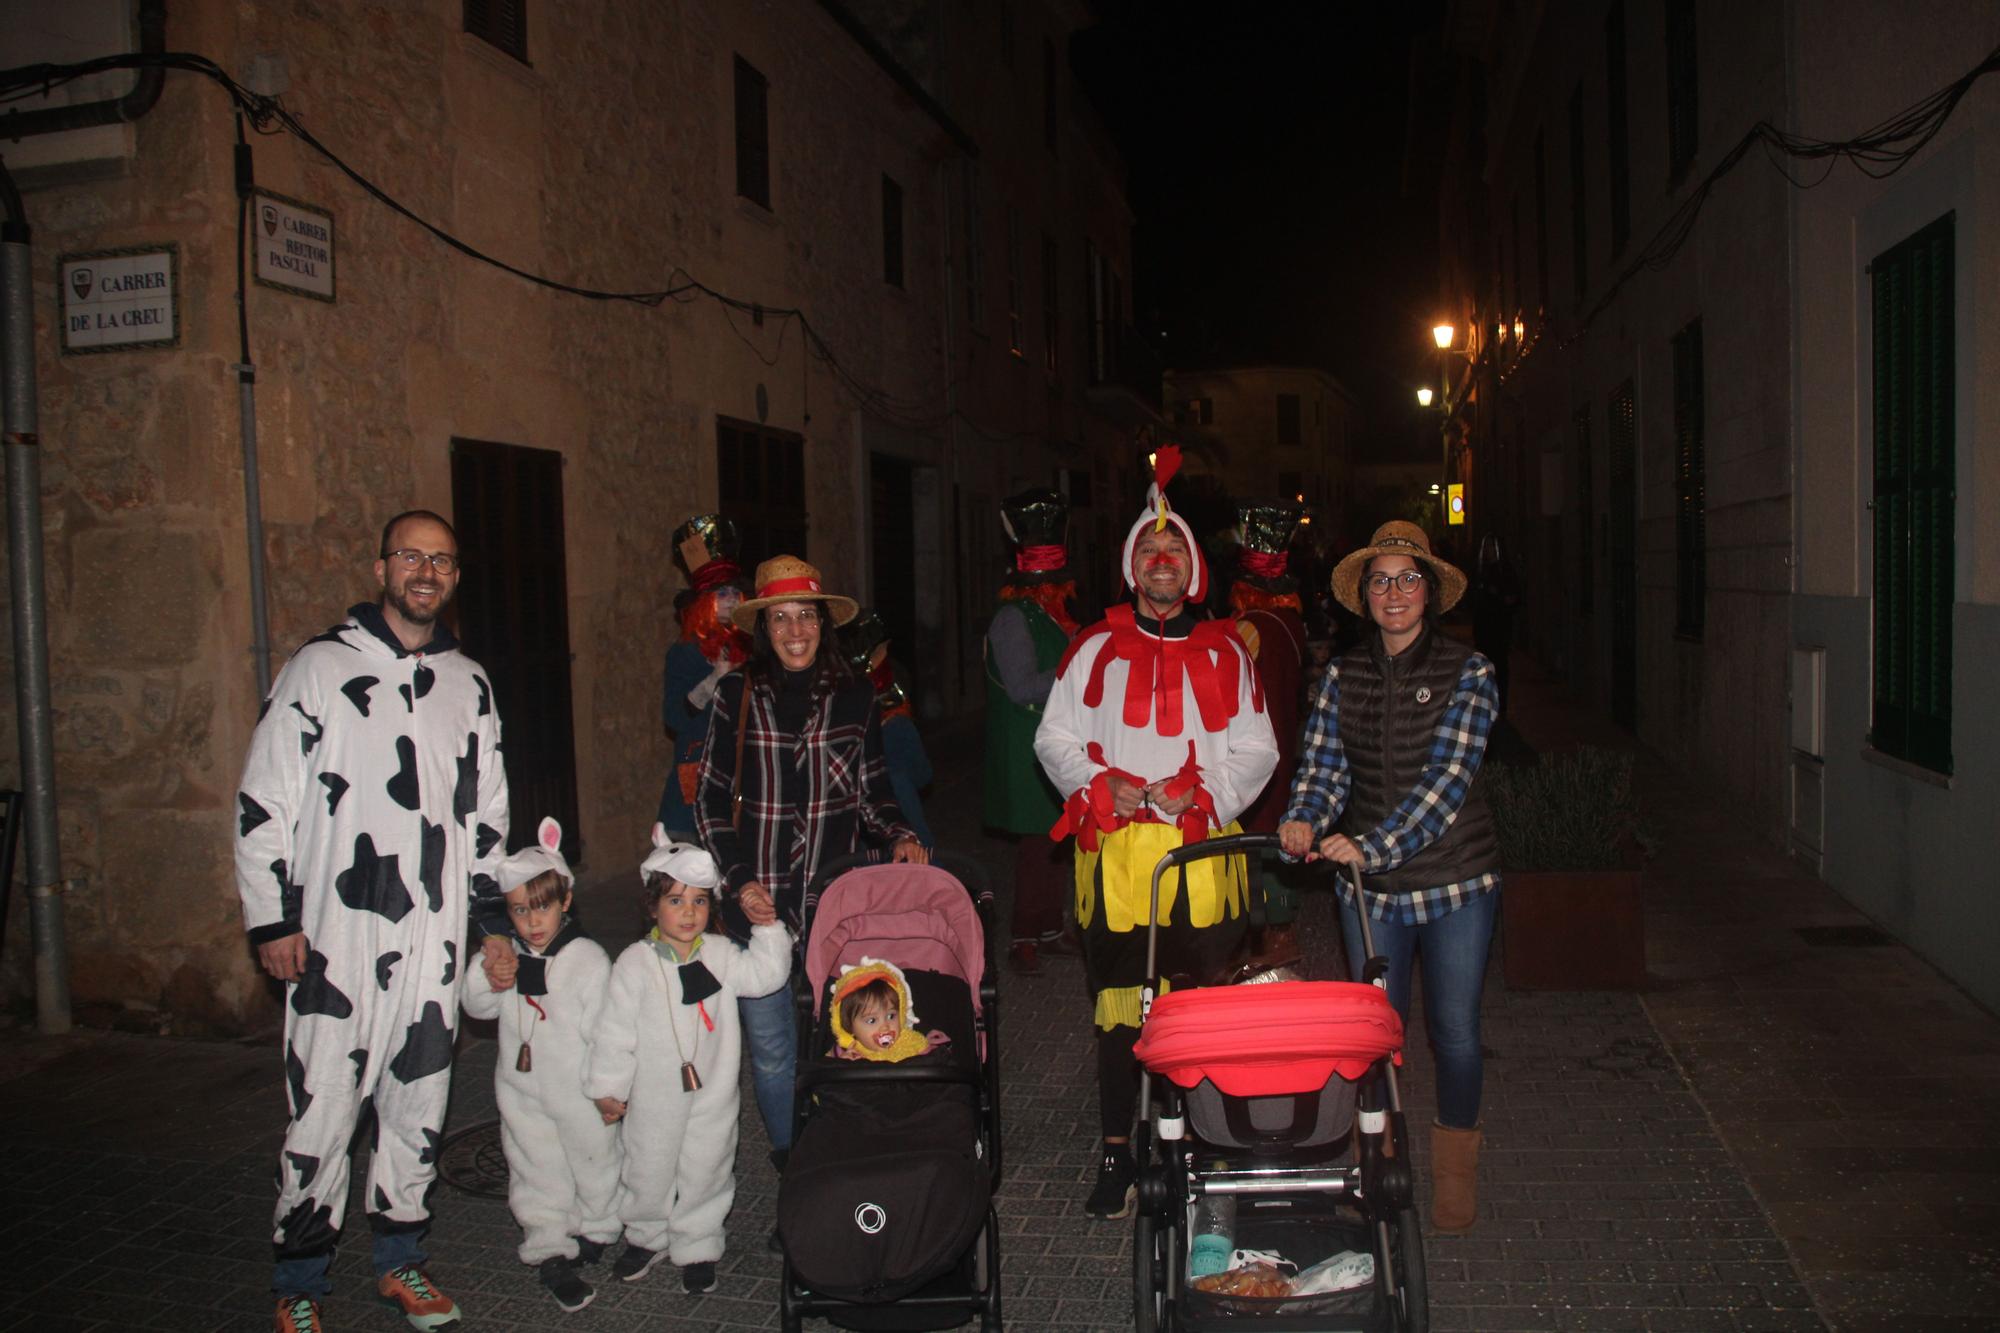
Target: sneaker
(697, 1278)
(297, 1314)
(634, 1263)
(1116, 1190)
(1021, 958)
(572, 1293)
(590, 1251)
(1060, 944)
(411, 1290)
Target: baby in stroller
(869, 1004)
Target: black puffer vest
(1389, 711)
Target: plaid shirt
(1320, 791)
(843, 777)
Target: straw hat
(1398, 538)
(786, 578)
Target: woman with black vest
(1398, 729)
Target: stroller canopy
(1279, 1039)
(915, 916)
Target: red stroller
(1260, 1088)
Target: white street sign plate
(113, 300)
(294, 245)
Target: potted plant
(1571, 913)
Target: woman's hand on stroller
(756, 903)
(909, 849)
(611, 1109)
(1341, 849)
(1295, 838)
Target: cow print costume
(373, 812)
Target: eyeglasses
(780, 619)
(1409, 581)
(410, 558)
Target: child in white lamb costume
(666, 1058)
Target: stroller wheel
(1408, 1291)
(1151, 1244)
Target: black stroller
(886, 1205)
(1262, 1128)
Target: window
(1197, 412)
(1579, 214)
(500, 23)
(1586, 511)
(1690, 487)
(1915, 495)
(892, 232)
(753, 134)
(1049, 92)
(975, 249)
(1014, 281)
(1288, 419)
(1614, 120)
(1682, 85)
(761, 483)
(1051, 301)
(1541, 222)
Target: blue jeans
(770, 1036)
(1453, 950)
(307, 1276)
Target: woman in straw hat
(813, 788)
(1398, 729)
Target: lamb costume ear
(543, 855)
(682, 862)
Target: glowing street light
(1424, 396)
(1442, 334)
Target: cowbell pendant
(525, 1061)
(690, 1081)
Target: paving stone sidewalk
(1615, 1195)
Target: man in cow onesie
(373, 811)
(1157, 734)
(562, 1158)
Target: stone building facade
(1270, 431)
(570, 434)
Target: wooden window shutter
(500, 23)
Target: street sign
(294, 245)
(115, 300)
(1454, 503)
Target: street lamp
(1443, 334)
(1424, 396)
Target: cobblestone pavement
(1631, 1180)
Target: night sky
(1277, 222)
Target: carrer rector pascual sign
(113, 300)
(294, 245)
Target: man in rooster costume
(1157, 734)
(709, 648)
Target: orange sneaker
(411, 1290)
(298, 1314)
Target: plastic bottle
(1214, 1231)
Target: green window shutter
(1915, 495)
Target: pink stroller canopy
(1278, 1039)
(913, 916)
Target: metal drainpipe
(31, 637)
(246, 393)
(152, 17)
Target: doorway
(513, 613)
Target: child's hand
(611, 1109)
(756, 903)
(498, 958)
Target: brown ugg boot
(1454, 1178)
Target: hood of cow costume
(1168, 462)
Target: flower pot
(1573, 930)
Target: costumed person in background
(562, 1158)
(1157, 733)
(710, 647)
(1264, 599)
(666, 1060)
(1397, 733)
(864, 642)
(1025, 642)
(1496, 598)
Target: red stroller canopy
(1275, 1039)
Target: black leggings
(1117, 1080)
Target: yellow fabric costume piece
(909, 1041)
(1218, 887)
